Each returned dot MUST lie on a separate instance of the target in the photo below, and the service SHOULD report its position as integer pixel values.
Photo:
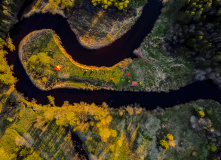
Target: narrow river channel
(107, 56)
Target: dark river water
(107, 56)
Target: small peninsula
(110, 80)
(41, 51)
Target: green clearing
(162, 71)
(43, 55)
(158, 71)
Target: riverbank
(94, 27)
(130, 132)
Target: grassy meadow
(43, 55)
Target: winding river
(107, 56)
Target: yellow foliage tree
(89, 138)
(120, 4)
(170, 136)
(72, 118)
(5, 155)
(51, 100)
(63, 3)
(103, 121)
(108, 119)
(201, 113)
(164, 144)
(172, 143)
(130, 110)
(119, 143)
(2, 43)
(62, 121)
(113, 133)
(33, 156)
(44, 80)
(112, 147)
(9, 44)
(49, 114)
(104, 133)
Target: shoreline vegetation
(190, 131)
(96, 30)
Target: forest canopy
(120, 4)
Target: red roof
(134, 83)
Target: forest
(196, 29)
